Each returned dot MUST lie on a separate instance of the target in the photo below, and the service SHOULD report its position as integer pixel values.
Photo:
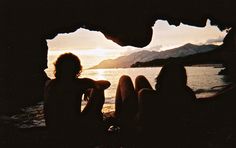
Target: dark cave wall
(22, 70)
(23, 60)
(25, 26)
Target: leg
(92, 125)
(95, 103)
(147, 100)
(141, 82)
(126, 103)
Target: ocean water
(203, 80)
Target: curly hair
(69, 64)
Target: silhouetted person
(63, 96)
(172, 105)
(165, 112)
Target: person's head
(172, 75)
(67, 65)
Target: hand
(87, 94)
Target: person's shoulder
(84, 80)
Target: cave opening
(165, 37)
(104, 59)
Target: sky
(94, 46)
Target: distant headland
(147, 58)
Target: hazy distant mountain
(146, 55)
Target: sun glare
(99, 74)
(99, 51)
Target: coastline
(195, 65)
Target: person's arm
(90, 83)
(102, 84)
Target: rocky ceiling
(26, 24)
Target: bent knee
(140, 78)
(124, 78)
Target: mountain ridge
(147, 55)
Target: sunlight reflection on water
(200, 79)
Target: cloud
(215, 40)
